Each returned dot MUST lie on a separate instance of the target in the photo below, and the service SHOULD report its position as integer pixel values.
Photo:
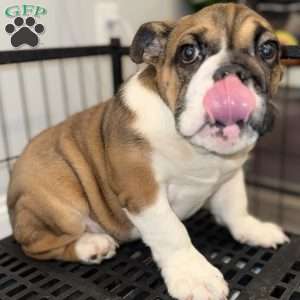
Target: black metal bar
(281, 189)
(117, 69)
(17, 56)
(290, 52)
(283, 151)
(45, 94)
(8, 159)
(98, 79)
(6, 148)
(24, 102)
(64, 88)
(82, 88)
(268, 151)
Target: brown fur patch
(92, 165)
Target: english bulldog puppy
(175, 137)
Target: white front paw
(253, 232)
(189, 276)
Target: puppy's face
(216, 70)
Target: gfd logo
(24, 29)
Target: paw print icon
(24, 31)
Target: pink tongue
(228, 102)
(232, 132)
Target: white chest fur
(190, 174)
(191, 179)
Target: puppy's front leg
(229, 205)
(188, 275)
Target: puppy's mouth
(229, 132)
(229, 105)
(222, 133)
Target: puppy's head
(216, 70)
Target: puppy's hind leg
(88, 248)
(62, 237)
(229, 206)
(40, 241)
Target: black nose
(232, 69)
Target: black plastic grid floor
(253, 273)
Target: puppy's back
(58, 182)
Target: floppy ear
(150, 41)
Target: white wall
(138, 12)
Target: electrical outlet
(106, 20)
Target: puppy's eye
(189, 53)
(268, 51)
